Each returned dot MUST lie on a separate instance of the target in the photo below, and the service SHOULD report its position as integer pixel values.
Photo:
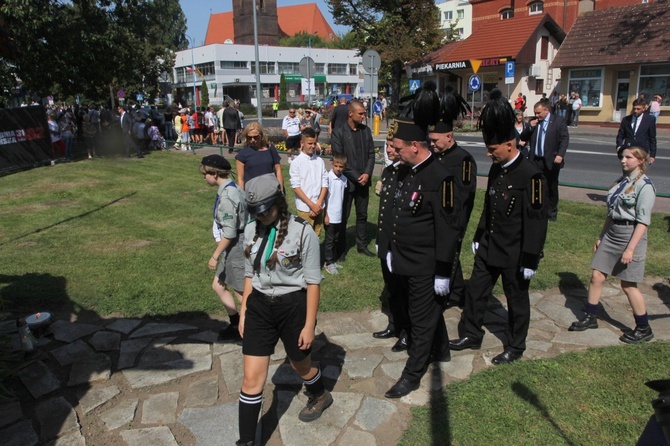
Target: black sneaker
(315, 407)
(230, 334)
(588, 321)
(640, 334)
(242, 443)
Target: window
(506, 14)
(319, 68)
(460, 32)
(353, 69)
(207, 69)
(544, 47)
(265, 67)
(289, 68)
(655, 79)
(539, 86)
(338, 68)
(460, 14)
(449, 15)
(535, 8)
(587, 83)
(233, 64)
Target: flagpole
(192, 67)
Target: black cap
(216, 161)
(406, 130)
(441, 127)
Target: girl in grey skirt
(621, 248)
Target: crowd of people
(427, 192)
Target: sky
(197, 14)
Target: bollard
(375, 125)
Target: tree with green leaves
(282, 92)
(93, 47)
(204, 94)
(402, 31)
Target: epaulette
(300, 220)
(648, 181)
(447, 199)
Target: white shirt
(576, 104)
(291, 125)
(209, 119)
(309, 174)
(336, 187)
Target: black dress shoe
(366, 251)
(401, 345)
(403, 387)
(465, 342)
(384, 334)
(588, 321)
(506, 357)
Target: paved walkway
(144, 381)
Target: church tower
(243, 22)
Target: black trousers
(428, 330)
(457, 285)
(335, 242)
(360, 198)
(477, 292)
(551, 172)
(397, 310)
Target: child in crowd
(185, 133)
(309, 181)
(230, 217)
(156, 141)
(335, 241)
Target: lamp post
(259, 93)
(192, 65)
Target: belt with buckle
(623, 222)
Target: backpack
(201, 120)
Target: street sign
(414, 85)
(139, 97)
(307, 67)
(474, 83)
(120, 94)
(509, 69)
(509, 80)
(371, 61)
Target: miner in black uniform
(425, 228)
(510, 235)
(463, 166)
(398, 325)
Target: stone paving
(139, 382)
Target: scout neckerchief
(262, 254)
(617, 192)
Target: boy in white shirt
(309, 181)
(335, 240)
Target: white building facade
(230, 69)
(456, 11)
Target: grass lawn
(133, 238)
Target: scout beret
(216, 161)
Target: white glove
(389, 261)
(475, 247)
(528, 273)
(376, 248)
(441, 285)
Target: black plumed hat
(496, 120)
(452, 105)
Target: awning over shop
(617, 36)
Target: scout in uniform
(230, 216)
(424, 233)
(510, 235)
(621, 249)
(280, 300)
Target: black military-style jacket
(513, 225)
(425, 224)
(463, 166)
(389, 181)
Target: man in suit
(510, 236)
(638, 130)
(549, 139)
(354, 140)
(424, 234)
(231, 122)
(126, 124)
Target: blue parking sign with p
(414, 85)
(509, 69)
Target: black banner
(24, 138)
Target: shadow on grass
(530, 397)
(440, 428)
(330, 357)
(99, 208)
